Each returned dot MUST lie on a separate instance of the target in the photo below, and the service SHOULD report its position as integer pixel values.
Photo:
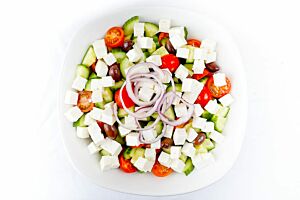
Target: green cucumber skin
(189, 167)
(150, 29)
(127, 153)
(128, 25)
(117, 85)
(124, 65)
(80, 122)
(107, 95)
(89, 57)
(83, 71)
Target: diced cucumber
(155, 40)
(146, 54)
(82, 71)
(170, 113)
(154, 115)
(120, 140)
(117, 85)
(127, 152)
(150, 29)
(206, 115)
(208, 144)
(164, 41)
(119, 54)
(176, 80)
(134, 40)
(100, 104)
(122, 113)
(124, 66)
(89, 58)
(161, 51)
(189, 68)
(178, 88)
(88, 85)
(201, 148)
(80, 122)
(190, 58)
(223, 111)
(104, 153)
(128, 37)
(167, 150)
(219, 122)
(158, 128)
(139, 152)
(183, 157)
(185, 32)
(107, 95)
(128, 26)
(189, 167)
(153, 48)
(93, 75)
(203, 80)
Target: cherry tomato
(204, 97)
(216, 91)
(101, 125)
(126, 165)
(199, 76)
(127, 101)
(170, 62)
(160, 170)
(162, 35)
(93, 67)
(194, 42)
(114, 37)
(84, 102)
(140, 146)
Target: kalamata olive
(212, 67)
(170, 47)
(114, 72)
(166, 143)
(127, 45)
(110, 131)
(199, 139)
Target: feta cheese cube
(178, 165)
(130, 122)
(100, 48)
(169, 131)
(177, 100)
(209, 127)
(96, 84)
(145, 42)
(182, 53)
(150, 154)
(149, 135)
(109, 162)
(132, 139)
(180, 110)
(138, 29)
(177, 41)
(164, 25)
(155, 59)
(212, 106)
(88, 120)
(145, 94)
(101, 68)
(123, 131)
(202, 160)
(198, 122)
(71, 97)
(182, 72)
(143, 164)
(167, 76)
(177, 31)
(156, 145)
(134, 55)
(97, 96)
(200, 54)
(179, 136)
(111, 146)
(107, 117)
(187, 84)
(107, 81)
(73, 114)
(141, 69)
(188, 149)
(192, 134)
(216, 136)
(164, 159)
(226, 100)
(198, 110)
(198, 66)
(79, 83)
(211, 57)
(95, 133)
(208, 44)
(96, 113)
(175, 152)
(93, 148)
(192, 96)
(82, 132)
(109, 59)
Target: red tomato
(216, 91)
(160, 170)
(101, 124)
(170, 62)
(199, 76)
(126, 165)
(194, 42)
(162, 35)
(140, 146)
(93, 66)
(204, 97)
(127, 101)
(182, 125)
(84, 102)
(114, 37)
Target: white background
(34, 36)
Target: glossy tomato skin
(160, 170)
(200, 76)
(194, 42)
(170, 62)
(216, 91)
(162, 35)
(126, 165)
(127, 101)
(84, 102)
(204, 97)
(114, 37)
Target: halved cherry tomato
(160, 170)
(216, 91)
(199, 76)
(101, 125)
(114, 37)
(170, 62)
(204, 97)
(84, 102)
(162, 35)
(194, 42)
(127, 101)
(93, 66)
(126, 165)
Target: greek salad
(150, 99)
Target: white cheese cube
(198, 66)
(82, 132)
(212, 106)
(164, 25)
(156, 145)
(108, 118)
(226, 100)
(167, 76)
(73, 114)
(150, 154)
(211, 57)
(187, 84)
(145, 42)
(95, 133)
(200, 54)
(141, 69)
(155, 59)
(209, 127)
(143, 164)
(202, 160)
(177, 165)
(111, 146)
(198, 122)
(109, 59)
(180, 110)
(175, 152)
(177, 31)
(182, 53)
(177, 100)
(188, 149)
(93, 148)
(169, 131)
(96, 113)
(182, 72)
(101, 68)
(138, 29)
(198, 110)
(179, 136)
(192, 134)
(79, 83)
(109, 107)
(107, 81)
(149, 135)
(164, 159)
(130, 122)
(96, 84)
(97, 96)
(145, 94)
(133, 55)
(177, 41)
(109, 162)
(71, 98)
(132, 139)
(216, 136)
(88, 120)
(208, 44)
(100, 48)
(192, 96)
(123, 131)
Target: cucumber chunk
(82, 71)
(176, 80)
(206, 115)
(183, 157)
(80, 122)
(170, 113)
(201, 148)
(120, 140)
(219, 122)
(128, 37)
(164, 41)
(93, 75)
(189, 67)
(104, 153)
(139, 152)
(208, 144)
(190, 58)
(124, 65)
(158, 128)
(128, 26)
(119, 54)
(189, 167)
(152, 49)
(107, 95)
(154, 115)
(185, 32)
(88, 85)
(122, 113)
(126, 153)
(117, 85)
(150, 29)
(100, 104)
(89, 58)
(161, 51)
(178, 88)
(223, 111)
(155, 40)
